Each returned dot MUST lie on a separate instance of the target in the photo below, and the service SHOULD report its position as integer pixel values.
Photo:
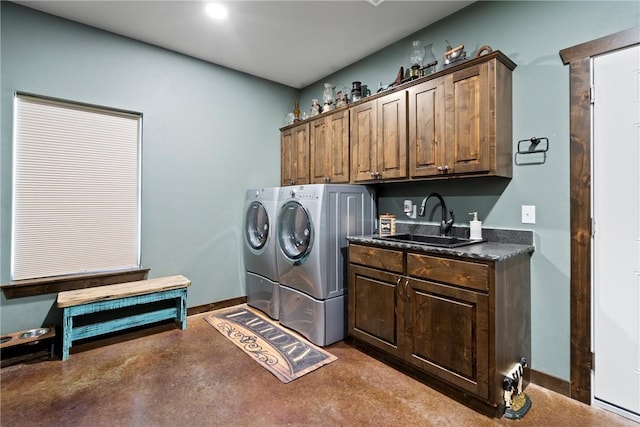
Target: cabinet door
(287, 158)
(447, 334)
(375, 308)
(318, 147)
(392, 136)
(467, 116)
(338, 147)
(329, 144)
(301, 145)
(426, 129)
(364, 163)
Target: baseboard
(551, 383)
(216, 305)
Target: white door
(616, 241)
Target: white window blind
(76, 189)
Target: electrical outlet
(408, 206)
(528, 214)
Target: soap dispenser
(475, 227)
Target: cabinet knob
(440, 169)
(327, 179)
(446, 168)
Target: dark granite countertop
(500, 243)
(488, 251)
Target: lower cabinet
(465, 323)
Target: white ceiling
(295, 43)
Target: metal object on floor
(517, 403)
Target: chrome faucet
(445, 224)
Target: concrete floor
(168, 377)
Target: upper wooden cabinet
(329, 144)
(426, 129)
(453, 123)
(460, 122)
(379, 139)
(294, 155)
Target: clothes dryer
(313, 222)
(259, 251)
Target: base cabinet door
(447, 334)
(374, 305)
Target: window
(76, 188)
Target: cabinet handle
(406, 291)
(398, 286)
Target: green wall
(204, 144)
(531, 33)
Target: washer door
(294, 231)
(256, 226)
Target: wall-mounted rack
(534, 142)
(533, 145)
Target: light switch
(528, 214)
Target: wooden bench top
(121, 290)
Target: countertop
(488, 251)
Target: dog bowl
(34, 333)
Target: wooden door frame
(579, 58)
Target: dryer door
(256, 226)
(295, 231)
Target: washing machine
(313, 222)
(261, 277)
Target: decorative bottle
(328, 97)
(296, 111)
(417, 55)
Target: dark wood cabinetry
(379, 139)
(294, 155)
(453, 123)
(329, 144)
(465, 323)
(460, 123)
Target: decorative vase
(429, 58)
(328, 97)
(417, 56)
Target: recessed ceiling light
(216, 10)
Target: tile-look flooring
(169, 377)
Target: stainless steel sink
(421, 239)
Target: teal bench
(111, 297)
